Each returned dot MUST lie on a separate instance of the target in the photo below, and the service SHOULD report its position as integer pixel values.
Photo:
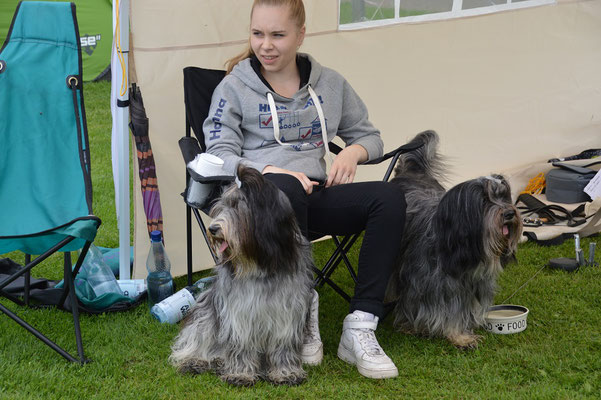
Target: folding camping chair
(199, 85)
(45, 184)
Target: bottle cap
(155, 236)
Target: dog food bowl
(506, 318)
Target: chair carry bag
(566, 183)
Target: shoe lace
(369, 343)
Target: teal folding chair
(45, 184)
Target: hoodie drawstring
(274, 119)
(322, 120)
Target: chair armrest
(189, 147)
(398, 151)
(220, 179)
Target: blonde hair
(297, 14)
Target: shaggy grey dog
(454, 246)
(249, 324)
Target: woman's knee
(291, 187)
(391, 202)
(395, 196)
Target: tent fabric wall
(503, 90)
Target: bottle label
(132, 288)
(177, 306)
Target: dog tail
(424, 161)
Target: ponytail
(232, 62)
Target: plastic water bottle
(159, 281)
(99, 275)
(174, 308)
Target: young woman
(275, 111)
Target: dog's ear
(273, 227)
(250, 179)
(497, 187)
(277, 229)
(458, 225)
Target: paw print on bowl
(505, 319)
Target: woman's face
(274, 38)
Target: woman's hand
(307, 183)
(345, 165)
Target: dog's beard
(504, 229)
(220, 237)
(220, 245)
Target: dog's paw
(194, 367)
(217, 364)
(239, 379)
(465, 340)
(290, 378)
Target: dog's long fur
(454, 246)
(249, 324)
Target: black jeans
(378, 208)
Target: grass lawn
(557, 356)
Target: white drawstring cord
(274, 120)
(322, 120)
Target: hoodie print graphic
(301, 135)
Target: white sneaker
(312, 351)
(359, 346)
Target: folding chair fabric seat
(45, 183)
(199, 84)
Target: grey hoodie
(239, 128)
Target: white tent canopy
(503, 90)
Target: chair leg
(75, 271)
(189, 242)
(37, 334)
(189, 211)
(330, 264)
(35, 262)
(70, 286)
(322, 278)
(69, 289)
(346, 245)
(12, 298)
(340, 254)
(27, 279)
(203, 229)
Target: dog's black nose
(508, 215)
(213, 229)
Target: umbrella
(147, 169)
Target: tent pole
(120, 108)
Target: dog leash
(524, 284)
